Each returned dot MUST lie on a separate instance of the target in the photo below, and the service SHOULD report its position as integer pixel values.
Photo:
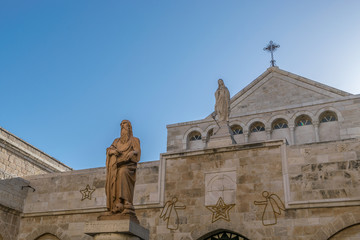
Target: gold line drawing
(220, 210)
(86, 192)
(276, 206)
(170, 215)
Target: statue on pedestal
(121, 161)
(222, 104)
(222, 134)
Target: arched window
(209, 134)
(279, 124)
(257, 127)
(236, 129)
(329, 129)
(304, 131)
(303, 120)
(327, 116)
(194, 136)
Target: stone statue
(222, 104)
(121, 160)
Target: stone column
(292, 134)
(316, 128)
(246, 135)
(268, 134)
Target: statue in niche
(121, 161)
(222, 104)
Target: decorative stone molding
(299, 113)
(279, 116)
(262, 120)
(332, 109)
(52, 229)
(339, 223)
(220, 184)
(186, 134)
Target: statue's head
(221, 83)
(126, 130)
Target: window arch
(328, 116)
(303, 120)
(236, 129)
(209, 134)
(257, 127)
(304, 130)
(194, 136)
(329, 129)
(279, 124)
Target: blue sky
(70, 71)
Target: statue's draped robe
(222, 104)
(120, 180)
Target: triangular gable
(276, 88)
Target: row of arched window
(280, 124)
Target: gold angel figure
(272, 208)
(170, 215)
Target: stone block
(111, 229)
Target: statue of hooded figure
(222, 104)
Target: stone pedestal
(222, 136)
(118, 216)
(116, 230)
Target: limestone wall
(324, 174)
(9, 224)
(178, 197)
(18, 158)
(58, 207)
(281, 91)
(58, 192)
(12, 194)
(198, 178)
(347, 125)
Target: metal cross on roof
(271, 47)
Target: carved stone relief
(220, 184)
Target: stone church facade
(293, 173)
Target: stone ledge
(232, 147)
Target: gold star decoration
(220, 210)
(86, 193)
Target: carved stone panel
(220, 184)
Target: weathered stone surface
(18, 158)
(122, 228)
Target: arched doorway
(47, 236)
(223, 235)
(349, 233)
